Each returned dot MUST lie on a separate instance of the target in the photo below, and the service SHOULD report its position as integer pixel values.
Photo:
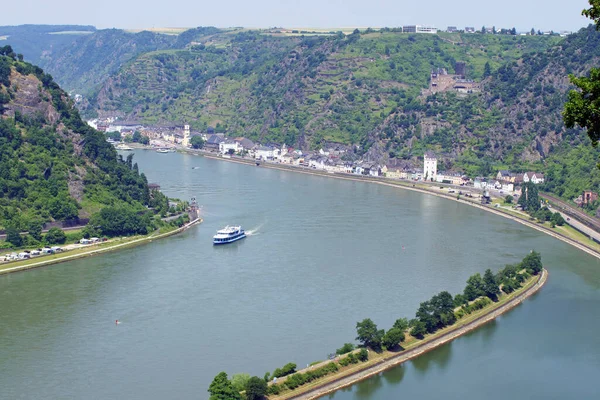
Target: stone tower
(186, 136)
(429, 166)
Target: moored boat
(229, 234)
(123, 147)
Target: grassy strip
(90, 250)
(409, 344)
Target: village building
(450, 178)
(429, 166)
(213, 141)
(229, 146)
(419, 29)
(264, 153)
(534, 177)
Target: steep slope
(359, 89)
(87, 61)
(53, 166)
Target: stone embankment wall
(425, 347)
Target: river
(323, 254)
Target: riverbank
(387, 360)
(422, 187)
(92, 250)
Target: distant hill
(53, 166)
(39, 43)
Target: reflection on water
(438, 357)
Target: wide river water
(324, 254)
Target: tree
(256, 388)
(197, 142)
(145, 140)
(55, 236)
(13, 236)
(114, 135)
(368, 334)
(490, 285)
(221, 389)
(583, 105)
(532, 262)
(529, 199)
(137, 136)
(593, 12)
(532, 33)
(483, 29)
(401, 323)
(363, 355)
(418, 330)
(35, 230)
(557, 219)
(239, 381)
(508, 199)
(487, 70)
(474, 288)
(392, 338)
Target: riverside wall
(371, 370)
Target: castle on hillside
(441, 81)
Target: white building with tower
(186, 136)
(429, 166)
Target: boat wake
(254, 231)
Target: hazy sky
(522, 14)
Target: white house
(534, 177)
(264, 153)
(508, 186)
(480, 183)
(429, 166)
(227, 145)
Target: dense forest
(53, 166)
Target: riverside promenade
(321, 390)
(95, 250)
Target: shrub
(346, 348)
(363, 355)
(55, 236)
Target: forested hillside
(358, 89)
(365, 89)
(53, 166)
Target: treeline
(444, 310)
(530, 203)
(441, 311)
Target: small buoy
(116, 322)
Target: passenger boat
(229, 234)
(123, 147)
(163, 151)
